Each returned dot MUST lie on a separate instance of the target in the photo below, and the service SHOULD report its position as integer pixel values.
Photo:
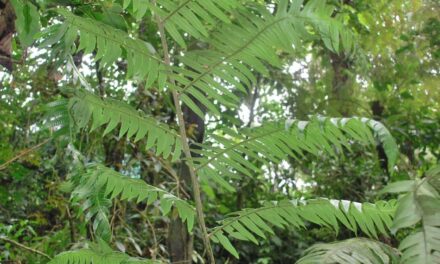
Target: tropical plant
(204, 56)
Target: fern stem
(185, 147)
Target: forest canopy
(227, 131)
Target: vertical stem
(185, 147)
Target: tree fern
(245, 225)
(351, 251)
(419, 206)
(231, 152)
(99, 253)
(99, 184)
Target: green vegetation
(229, 131)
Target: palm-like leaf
(371, 219)
(99, 253)
(251, 42)
(88, 110)
(98, 185)
(273, 142)
(193, 17)
(247, 43)
(351, 251)
(419, 205)
(110, 44)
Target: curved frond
(88, 110)
(97, 254)
(108, 184)
(249, 224)
(420, 205)
(110, 44)
(351, 251)
(251, 42)
(273, 142)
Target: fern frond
(100, 179)
(193, 17)
(110, 44)
(245, 225)
(97, 254)
(250, 42)
(273, 142)
(56, 117)
(86, 108)
(419, 205)
(351, 251)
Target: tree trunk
(7, 29)
(341, 85)
(180, 242)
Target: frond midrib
(182, 5)
(232, 147)
(253, 211)
(114, 108)
(71, 20)
(246, 44)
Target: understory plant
(206, 55)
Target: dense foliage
(229, 131)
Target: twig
(71, 226)
(153, 232)
(23, 153)
(185, 146)
(24, 247)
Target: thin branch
(15, 243)
(185, 147)
(23, 153)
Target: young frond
(420, 204)
(351, 251)
(108, 184)
(273, 142)
(99, 253)
(110, 45)
(249, 224)
(88, 110)
(251, 42)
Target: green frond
(222, 156)
(97, 254)
(351, 251)
(419, 207)
(110, 44)
(138, 7)
(88, 110)
(193, 17)
(109, 184)
(248, 224)
(56, 117)
(251, 42)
